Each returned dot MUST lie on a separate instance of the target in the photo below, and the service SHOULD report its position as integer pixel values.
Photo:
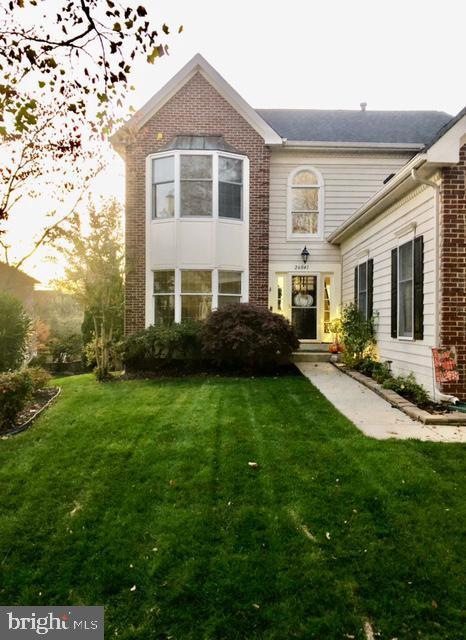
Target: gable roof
(412, 128)
(443, 150)
(9, 274)
(197, 64)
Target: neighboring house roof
(392, 127)
(9, 274)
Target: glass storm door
(304, 306)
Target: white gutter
(363, 213)
(360, 146)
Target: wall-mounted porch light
(305, 255)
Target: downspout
(430, 183)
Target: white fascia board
(358, 146)
(381, 200)
(195, 65)
(446, 150)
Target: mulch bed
(41, 400)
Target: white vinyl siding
(348, 181)
(379, 237)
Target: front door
(304, 306)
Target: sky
(331, 54)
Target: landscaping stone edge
(455, 418)
(28, 423)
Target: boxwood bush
(159, 347)
(246, 338)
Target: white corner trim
(407, 229)
(198, 64)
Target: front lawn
(146, 484)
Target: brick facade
(453, 267)
(196, 109)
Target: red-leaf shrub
(244, 337)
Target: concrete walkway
(371, 413)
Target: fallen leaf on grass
(133, 588)
(256, 606)
(253, 465)
(327, 535)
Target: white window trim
(214, 293)
(215, 154)
(398, 288)
(364, 258)
(308, 237)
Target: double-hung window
(230, 187)
(196, 294)
(164, 297)
(163, 187)
(195, 185)
(229, 288)
(407, 294)
(363, 288)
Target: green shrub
(158, 346)
(39, 377)
(357, 335)
(381, 372)
(407, 387)
(14, 329)
(244, 337)
(15, 390)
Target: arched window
(305, 203)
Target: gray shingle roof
(318, 125)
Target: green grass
(147, 483)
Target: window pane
(163, 205)
(406, 261)
(230, 197)
(195, 307)
(224, 301)
(164, 281)
(362, 303)
(229, 282)
(363, 277)
(196, 198)
(196, 282)
(305, 177)
(230, 169)
(164, 309)
(196, 167)
(304, 199)
(305, 223)
(163, 169)
(405, 315)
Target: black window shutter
(355, 285)
(394, 330)
(418, 288)
(370, 288)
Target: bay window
(197, 184)
(191, 294)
